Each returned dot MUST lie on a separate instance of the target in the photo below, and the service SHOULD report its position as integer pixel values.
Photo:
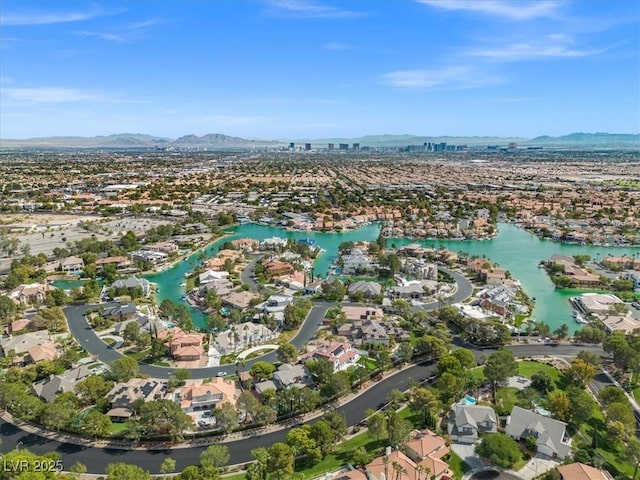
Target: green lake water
(513, 248)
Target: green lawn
(139, 356)
(341, 456)
(527, 368)
(117, 427)
(458, 466)
(369, 363)
(636, 393)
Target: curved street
(97, 458)
(87, 338)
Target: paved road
(86, 337)
(464, 290)
(98, 458)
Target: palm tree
(398, 469)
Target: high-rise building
(292, 146)
(307, 147)
(331, 147)
(356, 147)
(344, 146)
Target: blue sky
(319, 68)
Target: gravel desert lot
(44, 232)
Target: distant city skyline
(319, 68)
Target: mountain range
(218, 141)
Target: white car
(221, 374)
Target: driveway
(537, 466)
(467, 453)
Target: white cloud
(501, 8)
(52, 95)
(555, 45)
(45, 18)
(337, 46)
(122, 34)
(310, 9)
(452, 77)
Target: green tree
(8, 310)
(280, 460)
(398, 428)
(226, 417)
(376, 424)
(261, 371)
(559, 405)
(425, 402)
(96, 424)
(258, 470)
(164, 417)
(338, 424)
(168, 466)
(287, 352)
(581, 373)
(621, 412)
(542, 382)
(56, 416)
(581, 405)
(360, 457)
(323, 436)
(131, 332)
(499, 449)
(321, 370)
(124, 471)
(611, 394)
(215, 456)
(301, 443)
(129, 241)
(500, 366)
(632, 452)
(124, 369)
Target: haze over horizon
(319, 68)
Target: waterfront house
(246, 244)
(239, 300)
(368, 289)
(72, 265)
(133, 282)
(241, 336)
(211, 275)
(277, 267)
(29, 294)
(121, 263)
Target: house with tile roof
(341, 354)
(185, 347)
(28, 294)
(197, 396)
(580, 471)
